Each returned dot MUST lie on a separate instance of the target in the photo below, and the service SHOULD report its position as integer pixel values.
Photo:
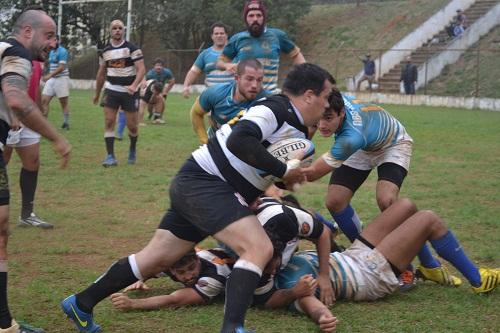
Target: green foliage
(101, 215)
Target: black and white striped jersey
(15, 60)
(277, 119)
(119, 61)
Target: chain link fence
(469, 72)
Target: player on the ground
(210, 196)
(366, 136)
(261, 42)
(369, 268)
(120, 71)
(57, 82)
(33, 36)
(203, 274)
(27, 145)
(223, 102)
(207, 60)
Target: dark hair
(336, 102)
(305, 77)
(249, 62)
(158, 61)
(157, 86)
(278, 244)
(185, 260)
(218, 25)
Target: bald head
(116, 23)
(34, 18)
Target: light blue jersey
(56, 57)
(341, 270)
(266, 49)
(366, 126)
(206, 62)
(218, 100)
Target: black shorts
(114, 100)
(353, 178)
(201, 204)
(4, 179)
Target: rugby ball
(293, 149)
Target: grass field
(105, 214)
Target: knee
(433, 221)
(384, 200)
(408, 205)
(335, 204)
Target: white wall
(416, 38)
(471, 35)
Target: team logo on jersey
(305, 228)
(117, 63)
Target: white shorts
(399, 154)
(374, 276)
(26, 137)
(57, 86)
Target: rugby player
(207, 60)
(261, 42)
(156, 107)
(203, 274)
(33, 36)
(121, 71)
(211, 195)
(366, 136)
(57, 82)
(369, 268)
(223, 102)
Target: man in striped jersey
(33, 36)
(211, 195)
(261, 42)
(121, 71)
(207, 60)
(203, 274)
(57, 82)
(369, 268)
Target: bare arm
(168, 87)
(99, 82)
(325, 285)
(298, 58)
(191, 76)
(140, 70)
(197, 115)
(14, 89)
(318, 169)
(282, 297)
(59, 69)
(225, 63)
(318, 313)
(181, 297)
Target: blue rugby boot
(84, 321)
(131, 157)
(110, 161)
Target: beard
(255, 29)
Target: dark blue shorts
(201, 204)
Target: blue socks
(348, 221)
(450, 250)
(121, 124)
(426, 258)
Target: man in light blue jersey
(368, 269)
(260, 42)
(206, 61)
(226, 101)
(57, 82)
(366, 136)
